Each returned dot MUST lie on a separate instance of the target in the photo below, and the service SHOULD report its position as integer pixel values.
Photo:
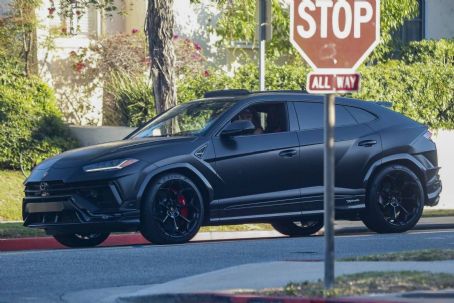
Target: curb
(40, 243)
(51, 243)
(225, 298)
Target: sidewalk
(259, 276)
(342, 228)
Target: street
(37, 276)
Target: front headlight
(109, 165)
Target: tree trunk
(159, 28)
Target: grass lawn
(11, 194)
(16, 230)
(415, 255)
(370, 283)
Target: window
(267, 117)
(361, 115)
(310, 115)
(343, 117)
(412, 30)
(187, 119)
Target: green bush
(291, 77)
(424, 92)
(133, 99)
(429, 51)
(31, 128)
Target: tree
(18, 34)
(159, 27)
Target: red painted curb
(255, 299)
(227, 298)
(51, 243)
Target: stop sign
(334, 35)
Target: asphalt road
(44, 276)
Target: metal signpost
(264, 34)
(334, 37)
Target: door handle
(288, 153)
(367, 143)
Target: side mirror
(237, 128)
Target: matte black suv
(238, 157)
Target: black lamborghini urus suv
(238, 157)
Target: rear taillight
(428, 135)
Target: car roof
(379, 108)
(290, 95)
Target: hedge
(424, 92)
(429, 51)
(31, 128)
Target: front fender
(154, 170)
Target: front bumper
(60, 207)
(433, 189)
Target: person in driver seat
(251, 115)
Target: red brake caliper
(184, 211)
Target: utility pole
(264, 34)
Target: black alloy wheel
(172, 211)
(81, 239)
(299, 228)
(395, 200)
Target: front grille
(98, 194)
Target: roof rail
(226, 93)
(384, 103)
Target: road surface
(38, 276)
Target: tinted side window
(361, 115)
(343, 117)
(267, 117)
(310, 115)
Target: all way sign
(333, 83)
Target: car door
(355, 145)
(260, 170)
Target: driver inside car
(251, 115)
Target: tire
(395, 200)
(172, 210)
(298, 229)
(81, 240)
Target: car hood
(82, 156)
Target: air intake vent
(199, 153)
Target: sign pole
(264, 34)
(262, 65)
(329, 170)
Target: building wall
(439, 19)
(445, 146)
(79, 98)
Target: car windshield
(187, 119)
